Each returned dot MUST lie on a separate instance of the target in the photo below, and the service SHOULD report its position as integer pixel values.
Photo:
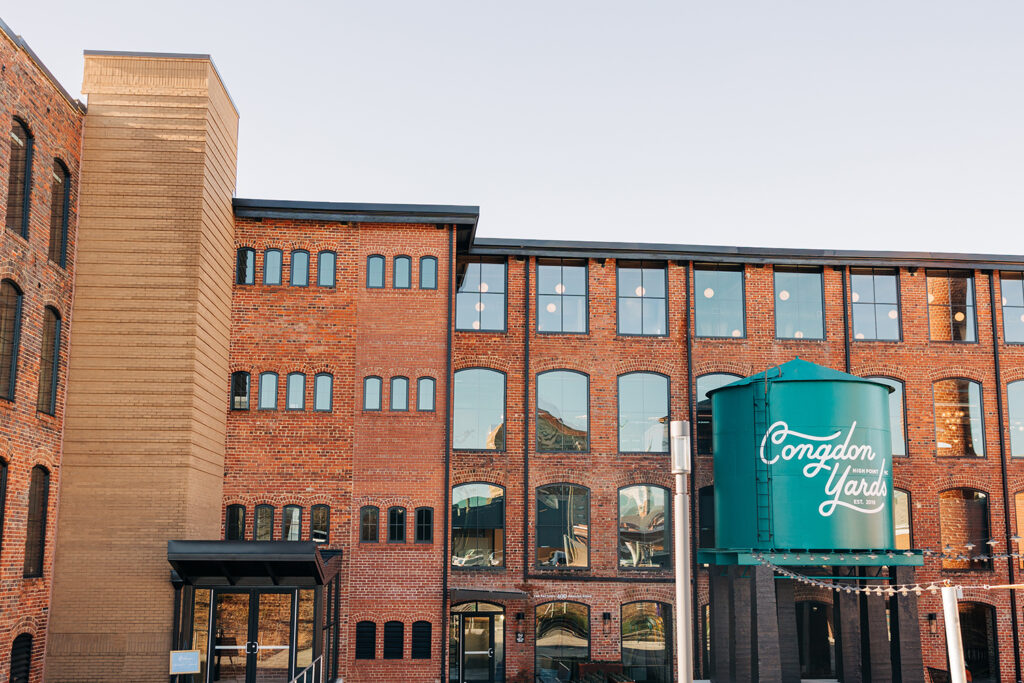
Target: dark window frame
(65, 217)
(50, 405)
(504, 403)
(1009, 421)
(536, 411)
(277, 390)
(875, 271)
(424, 259)
(618, 403)
(312, 523)
(536, 527)
(3, 497)
(256, 520)
(284, 521)
(428, 525)
(820, 272)
(35, 545)
(376, 523)
(330, 394)
(26, 199)
(21, 651)
(1014, 276)
(935, 421)
(574, 263)
(418, 638)
(722, 267)
(391, 394)
(669, 522)
(232, 394)
(618, 299)
(433, 394)
(19, 303)
(366, 630)
(910, 512)
(393, 629)
(380, 393)
(481, 260)
(394, 271)
(906, 428)
(504, 527)
(972, 306)
(536, 627)
(668, 612)
(383, 271)
(696, 395)
(288, 391)
(974, 565)
(291, 268)
(229, 522)
(394, 525)
(280, 267)
(242, 270)
(320, 269)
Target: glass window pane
(574, 314)
(399, 393)
(268, 391)
(885, 288)
(643, 413)
(862, 288)
(951, 305)
(705, 424)
(234, 523)
(296, 391)
(654, 316)
(240, 391)
(1015, 408)
(375, 272)
(368, 524)
(897, 432)
(563, 526)
(561, 301)
(264, 529)
(324, 392)
(562, 639)
(491, 309)
(964, 519)
(959, 430)
(245, 268)
(480, 302)
(644, 528)
(718, 303)
(403, 272)
(901, 519)
(371, 393)
(549, 313)
(562, 412)
(631, 316)
(425, 393)
(325, 269)
(320, 522)
(425, 525)
(646, 641)
(292, 520)
(272, 267)
(1012, 289)
(479, 410)
(641, 301)
(300, 269)
(478, 525)
(396, 525)
(798, 312)
(428, 272)
(35, 523)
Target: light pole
(680, 445)
(954, 645)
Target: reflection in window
(291, 519)
(978, 634)
(325, 274)
(263, 524)
(718, 301)
(480, 301)
(234, 523)
(705, 424)
(798, 304)
(371, 393)
(647, 641)
(375, 272)
(323, 392)
(428, 280)
(239, 390)
(60, 209)
(641, 287)
(296, 391)
(401, 275)
(369, 524)
(644, 527)
(46, 400)
(643, 413)
(959, 428)
(902, 531)
(563, 526)
(899, 444)
(319, 523)
(562, 409)
(1011, 285)
(10, 336)
(399, 393)
(875, 302)
(424, 525)
(366, 640)
(1015, 410)
(300, 268)
(951, 306)
(963, 520)
(19, 179)
(245, 266)
(35, 524)
(272, 267)
(479, 413)
(561, 295)
(268, 391)
(396, 525)
(200, 628)
(563, 639)
(425, 393)
(478, 525)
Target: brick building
(362, 436)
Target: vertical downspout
(846, 320)
(445, 559)
(1002, 464)
(526, 418)
(691, 404)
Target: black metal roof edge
(352, 211)
(168, 55)
(725, 254)
(20, 42)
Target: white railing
(314, 673)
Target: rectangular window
(234, 523)
(642, 293)
(425, 525)
(959, 423)
(239, 391)
(1015, 410)
(1011, 285)
(35, 524)
(480, 301)
(369, 521)
(319, 523)
(264, 523)
(951, 306)
(396, 525)
(874, 298)
(245, 267)
(799, 306)
(325, 275)
(291, 529)
(47, 398)
(562, 295)
(60, 206)
(718, 301)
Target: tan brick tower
(144, 433)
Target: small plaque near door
(520, 637)
(184, 662)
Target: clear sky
(799, 123)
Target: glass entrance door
(477, 648)
(477, 643)
(251, 637)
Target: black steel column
(846, 619)
(768, 663)
(789, 650)
(907, 664)
(743, 654)
(721, 618)
(875, 635)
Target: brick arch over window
(502, 364)
(638, 475)
(723, 367)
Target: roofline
(757, 255)
(167, 55)
(20, 43)
(358, 212)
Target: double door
(251, 639)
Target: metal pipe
(448, 377)
(680, 447)
(954, 645)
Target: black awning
(251, 563)
(466, 594)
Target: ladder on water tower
(762, 472)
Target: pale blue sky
(810, 123)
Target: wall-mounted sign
(520, 637)
(184, 662)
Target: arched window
(401, 275)
(562, 639)
(394, 640)
(323, 392)
(396, 524)
(963, 521)
(3, 497)
(369, 524)
(563, 406)
(896, 412)
(366, 640)
(35, 527)
(325, 268)
(1018, 505)
(978, 634)
(19, 182)
(320, 523)
(240, 390)
(375, 272)
(478, 525)
(300, 268)
(705, 422)
(1015, 410)
(291, 523)
(264, 523)
(272, 261)
(643, 413)
(428, 280)
(902, 528)
(10, 337)
(646, 641)
(563, 526)
(424, 525)
(400, 393)
(644, 527)
(420, 640)
(425, 394)
(245, 266)
(60, 210)
(268, 391)
(21, 659)
(49, 356)
(234, 522)
(296, 391)
(959, 421)
(371, 393)
(479, 414)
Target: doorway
(477, 643)
(816, 639)
(251, 638)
